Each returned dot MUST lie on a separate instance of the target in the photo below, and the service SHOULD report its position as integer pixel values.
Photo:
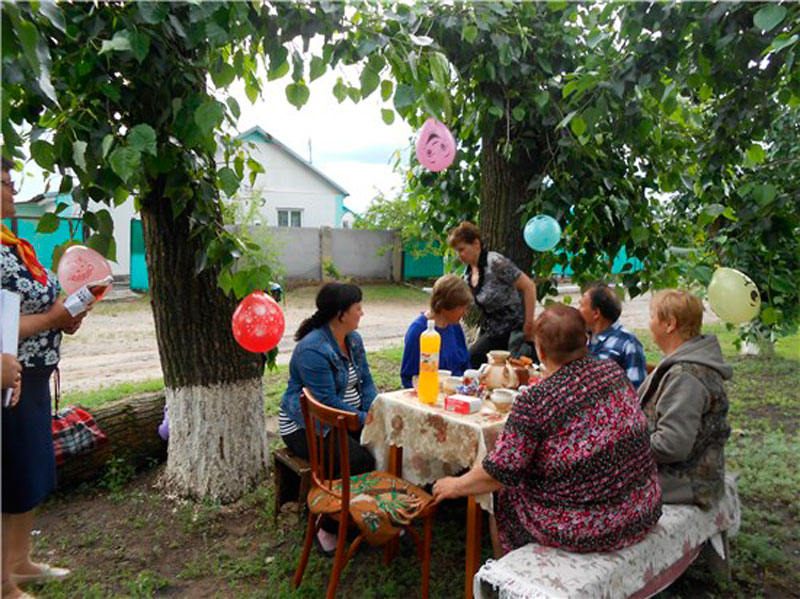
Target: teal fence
(45, 243)
(139, 280)
(621, 264)
(425, 266)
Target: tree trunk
(218, 444)
(131, 425)
(503, 190)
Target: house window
(290, 218)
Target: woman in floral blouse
(29, 469)
(573, 468)
(505, 296)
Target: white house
(291, 193)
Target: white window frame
(290, 212)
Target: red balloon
(258, 322)
(80, 266)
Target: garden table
(439, 443)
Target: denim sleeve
(410, 364)
(316, 374)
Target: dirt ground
(117, 342)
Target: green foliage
(636, 125)
(329, 269)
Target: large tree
(603, 116)
(123, 99)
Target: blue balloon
(542, 233)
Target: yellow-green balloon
(733, 296)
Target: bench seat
(638, 571)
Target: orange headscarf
(27, 254)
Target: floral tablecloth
(638, 571)
(435, 442)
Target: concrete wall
(362, 254)
(354, 253)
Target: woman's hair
(450, 291)
(560, 331)
(8, 165)
(333, 299)
(681, 305)
(466, 232)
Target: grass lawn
(124, 538)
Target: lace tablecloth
(639, 571)
(435, 442)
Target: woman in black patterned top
(505, 296)
(29, 469)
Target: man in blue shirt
(609, 340)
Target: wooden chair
(316, 414)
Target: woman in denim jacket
(330, 360)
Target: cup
(451, 384)
(443, 374)
(472, 375)
(502, 399)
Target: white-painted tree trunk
(217, 440)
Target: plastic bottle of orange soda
(430, 342)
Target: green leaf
(152, 12)
(43, 154)
(222, 74)
(208, 116)
(297, 94)
(143, 139)
(496, 111)
(121, 42)
(105, 224)
(120, 195)
(756, 154)
(369, 81)
(387, 87)
(124, 162)
(229, 182)
(140, 45)
(255, 168)
(783, 40)
(339, 91)
(104, 244)
(105, 147)
(48, 223)
(769, 16)
(53, 13)
(770, 315)
(404, 96)
(61, 206)
(387, 114)
(639, 235)
(28, 36)
(234, 106)
(764, 194)
(440, 68)
(317, 68)
(566, 120)
(578, 126)
(278, 65)
(469, 33)
(541, 99)
(518, 113)
(79, 154)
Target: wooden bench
(637, 572)
(292, 479)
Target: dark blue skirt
(29, 465)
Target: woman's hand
(60, 318)
(447, 488)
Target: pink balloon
(436, 148)
(258, 322)
(81, 265)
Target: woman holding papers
(29, 469)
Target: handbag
(74, 430)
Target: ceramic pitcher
(498, 372)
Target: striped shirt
(352, 398)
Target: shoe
(321, 550)
(46, 573)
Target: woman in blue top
(450, 299)
(330, 360)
